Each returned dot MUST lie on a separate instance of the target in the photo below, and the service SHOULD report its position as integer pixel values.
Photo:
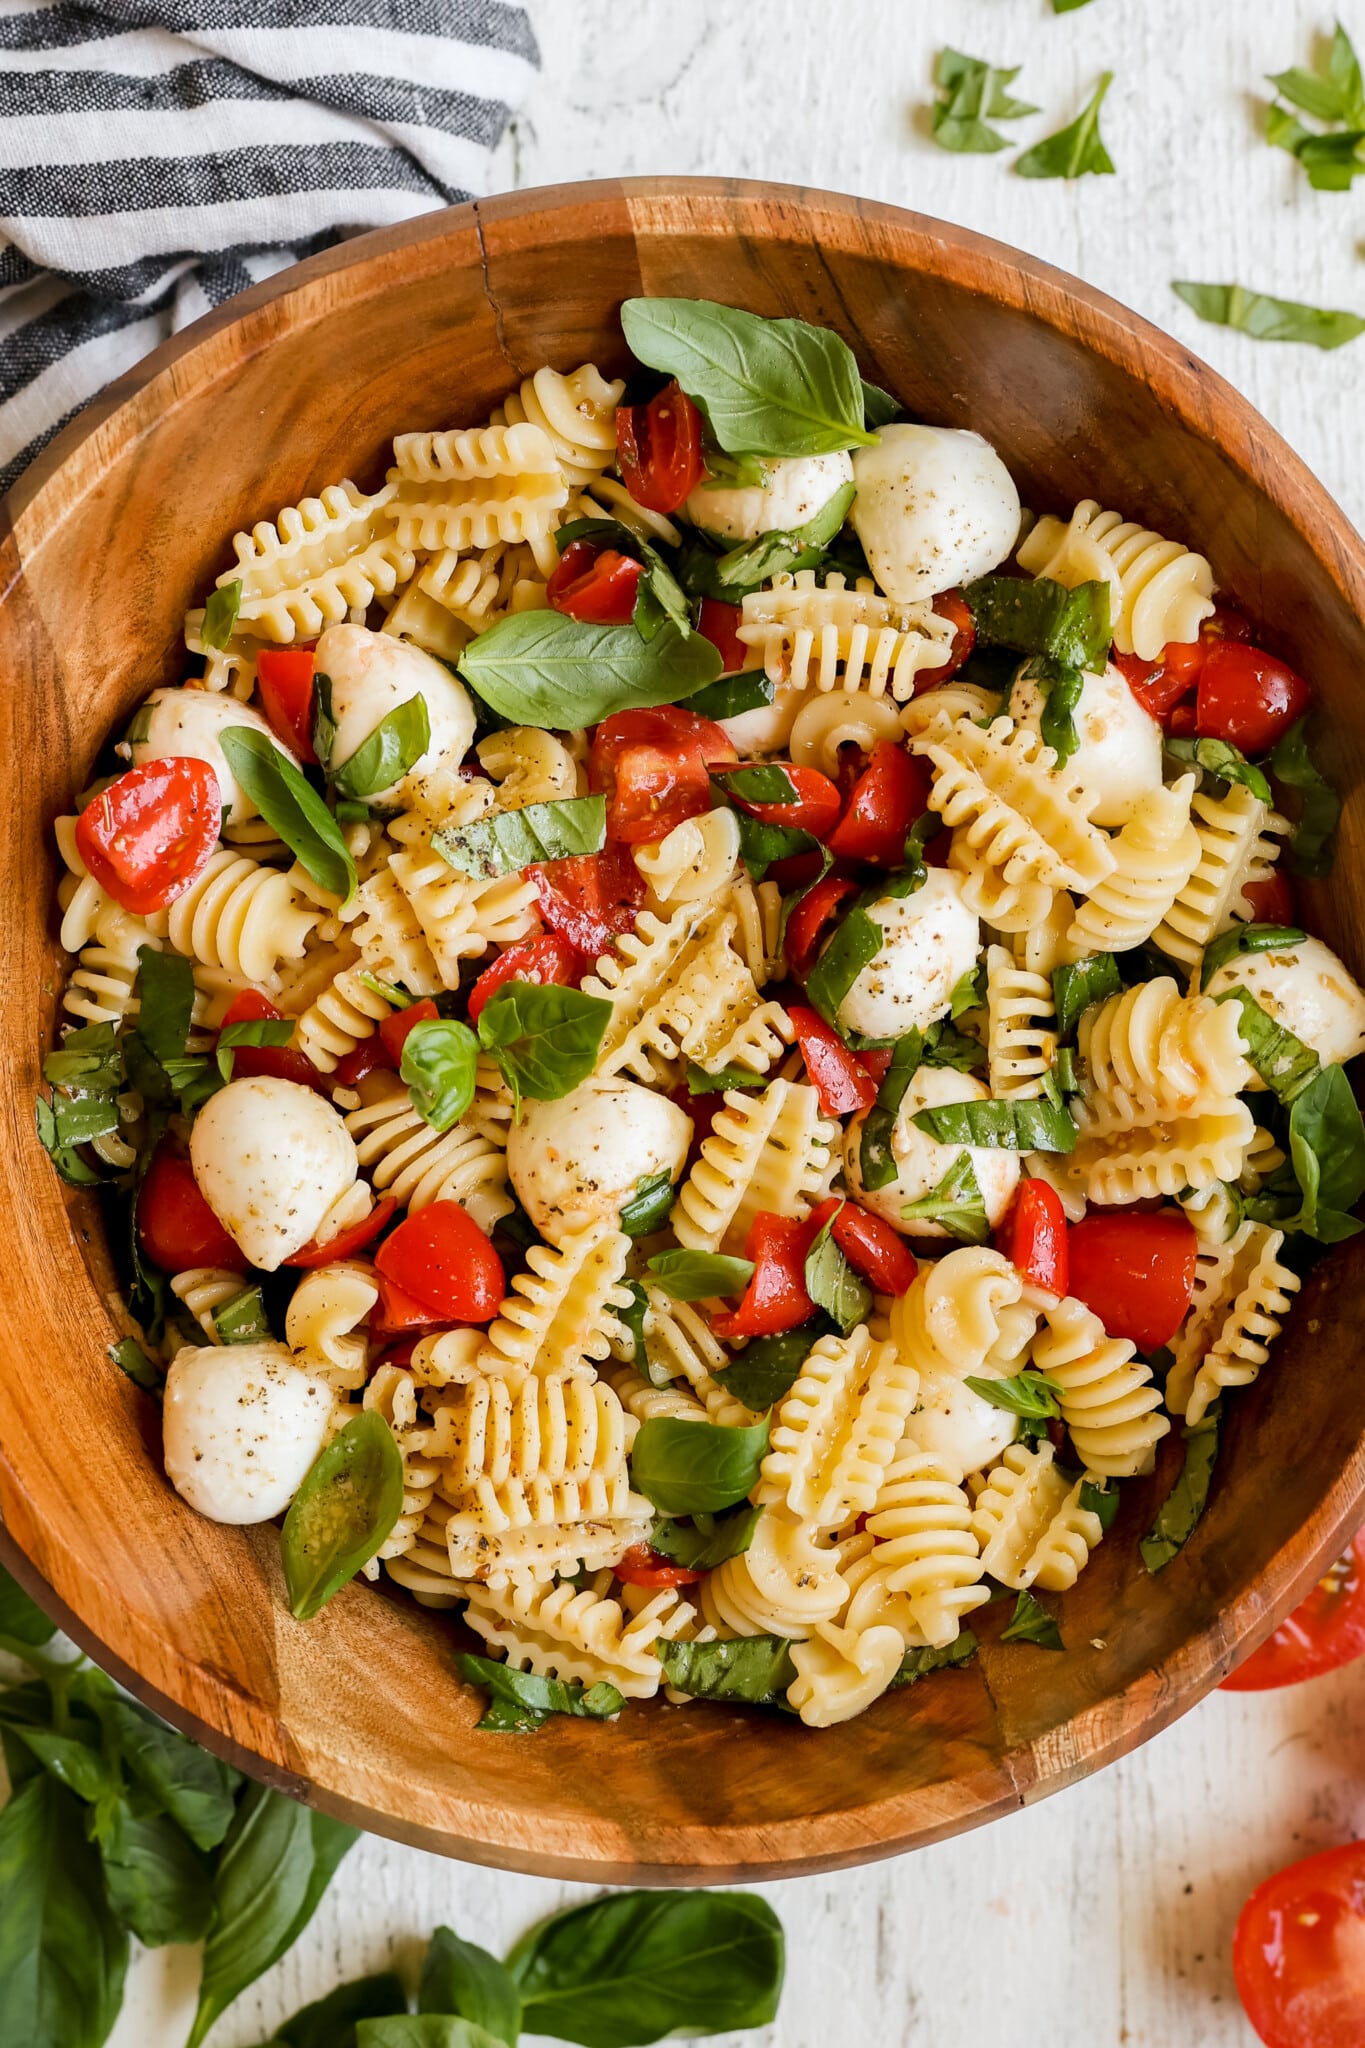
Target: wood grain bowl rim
(1212, 411)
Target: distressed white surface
(1102, 1916)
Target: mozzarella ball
(1307, 990)
(371, 675)
(242, 1425)
(768, 729)
(580, 1160)
(935, 507)
(929, 941)
(921, 1161)
(958, 1425)
(798, 487)
(270, 1158)
(192, 722)
(1118, 756)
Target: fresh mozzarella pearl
(242, 1424)
(798, 487)
(192, 722)
(371, 675)
(1307, 989)
(930, 940)
(579, 1160)
(921, 1161)
(270, 1158)
(935, 507)
(768, 729)
(958, 1425)
(1118, 755)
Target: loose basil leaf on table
(439, 1061)
(755, 1669)
(1031, 1623)
(196, 1789)
(634, 1966)
(917, 1664)
(545, 1040)
(1035, 1125)
(544, 668)
(158, 1884)
(1079, 984)
(732, 575)
(342, 1513)
(1282, 1060)
(699, 1276)
(390, 752)
(956, 1203)
(1074, 150)
(974, 94)
(72, 1761)
(512, 840)
(462, 1978)
(220, 613)
(707, 1541)
(767, 387)
(1185, 1503)
(288, 802)
(648, 1208)
(331, 2022)
(1263, 318)
(832, 1283)
(1245, 938)
(251, 1031)
(1320, 807)
(1037, 616)
(423, 2030)
(521, 1701)
(242, 1319)
(1221, 758)
(733, 695)
(689, 1468)
(1336, 94)
(21, 1618)
(768, 1368)
(63, 1954)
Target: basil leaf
(658, 593)
(699, 1082)
(21, 1618)
(1068, 6)
(1038, 616)
(1031, 1623)
(544, 668)
(422, 2030)
(87, 1061)
(969, 993)
(732, 576)
(1100, 1500)
(1079, 985)
(877, 1165)
(158, 1885)
(1333, 162)
(276, 1862)
(1185, 1503)
(528, 1701)
(1310, 852)
(756, 1669)
(197, 1790)
(1267, 319)
(765, 783)
(769, 1367)
(1245, 938)
(438, 1063)
(1074, 150)
(733, 695)
(1284, 1062)
(1027, 1394)
(545, 1040)
(856, 942)
(761, 844)
(220, 614)
(459, 1977)
(290, 804)
(324, 728)
(917, 1664)
(767, 387)
(1061, 688)
(700, 1547)
(648, 1208)
(974, 93)
(130, 1358)
(1220, 758)
(956, 1203)
(342, 1513)
(73, 1761)
(389, 990)
(1327, 1152)
(242, 1319)
(696, 1468)
(166, 993)
(879, 407)
(251, 1031)
(1334, 95)
(512, 840)
(633, 1319)
(1031, 1125)
(63, 1956)
(331, 2022)
(832, 1283)
(395, 747)
(69, 1164)
(698, 1276)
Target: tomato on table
(590, 898)
(597, 585)
(346, 1241)
(549, 958)
(642, 1566)
(817, 805)
(1248, 697)
(1324, 1631)
(284, 678)
(1298, 1954)
(888, 797)
(659, 449)
(872, 1247)
(1136, 1273)
(952, 605)
(718, 622)
(150, 834)
(442, 1260)
(275, 1062)
(652, 765)
(1033, 1237)
(175, 1225)
(394, 1029)
(839, 1078)
(775, 1298)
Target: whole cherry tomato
(590, 897)
(1296, 1954)
(597, 585)
(659, 450)
(149, 836)
(642, 1566)
(175, 1225)
(284, 677)
(1325, 1630)
(346, 1241)
(1136, 1273)
(652, 765)
(442, 1260)
(277, 1062)
(549, 958)
(890, 794)
(817, 804)
(1248, 697)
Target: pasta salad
(700, 1032)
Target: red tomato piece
(549, 958)
(442, 1259)
(890, 794)
(397, 1311)
(951, 604)
(1034, 1237)
(150, 834)
(718, 622)
(394, 1029)
(1272, 901)
(817, 805)
(370, 1055)
(776, 1297)
(175, 1225)
(642, 1566)
(1296, 1954)
(284, 677)
(1181, 722)
(877, 1061)
(1135, 1272)
(1226, 623)
(1160, 685)
(659, 449)
(839, 1078)
(597, 585)
(652, 766)
(1248, 697)
(1324, 1631)
(806, 925)
(874, 1249)
(590, 897)
(346, 1241)
(276, 1062)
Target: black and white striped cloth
(157, 156)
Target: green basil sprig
(689, 1468)
(1179, 1513)
(732, 696)
(544, 668)
(1282, 1060)
(706, 1541)
(154, 1051)
(250, 1031)
(220, 613)
(242, 1319)
(974, 94)
(700, 1276)
(1221, 758)
(648, 1208)
(1031, 1623)
(63, 1954)
(1336, 94)
(1030, 1125)
(1080, 984)
(832, 1283)
(334, 2021)
(1324, 1177)
(755, 1669)
(1245, 938)
(439, 1062)
(769, 1367)
(290, 804)
(1310, 850)
(1074, 150)
(512, 840)
(324, 726)
(767, 387)
(389, 753)
(545, 1040)
(342, 1513)
(732, 575)
(956, 1203)
(1028, 1395)
(1263, 318)
(1037, 616)
(521, 1702)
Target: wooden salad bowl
(122, 524)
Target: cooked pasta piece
(562, 1311)
(679, 1343)
(1241, 1295)
(242, 916)
(1237, 835)
(418, 618)
(955, 1312)
(642, 1400)
(840, 1672)
(323, 1323)
(231, 667)
(784, 1584)
(1030, 1524)
(768, 1149)
(336, 1021)
(831, 720)
(415, 1164)
(828, 636)
(577, 414)
(758, 932)
(461, 917)
(1152, 1053)
(680, 990)
(319, 563)
(1159, 589)
(695, 861)
(1020, 1043)
(1044, 947)
(565, 1632)
(922, 1574)
(837, 1429)
(467, 489)
(476, 591)
(945, 703)
(204, 1290)
(560, 1425)
(1157, 852)
(1106, 1395)
(497, 1533)
(529, 767)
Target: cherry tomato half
(806, 925)
(718, 622)
(951, 604)
(397, 1312)
(1160, 685)
(277, 1062)
(1272, 901)
(175, 1225)
(1136, 1273)
(284, 677)
(1325, 1630)
(890, 794)
(642, 1566)
(597, 585)
(549, 958)
(1297, 1952)
(590, 897)
(394, 1029)
(775, 1298)
(1248, 697)
(874, 1249)
(839, 1078)
(817, 805)
(1034, 1237)
(652, 765)
(659, 449)
(366, 1058)
(442, 1259)
(150, 834)
(346, 1241)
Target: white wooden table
(1102, 1916)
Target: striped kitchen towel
(157, 156)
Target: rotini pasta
(1160, 591)
(1020, 1041)
(1105, 1393)
(1156, 853)
(407, 1159)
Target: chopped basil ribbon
(974, 94)
(242, 1319)
(1221, 758)
(877, 1166)
(1310, 849)
(154, 1054)
(761, 844)
(1060, 686)
(969, 993)
(1265, 319)
(1031, 1623)
(917, 1664)
(700, 1276)
(220, 614)
(512, 840)
(1102, 1501)
(767, 387)
(290, 804)
(545, 1040)
(251, 1031)
(521, 1701)
(438, 1063)
(1074, 150)
(648, 1208)
(342, 1513)
(544, 668)
(389, 990)
(856, 942)
(768, 1368)
(765, 783)
(130, 1358)
(690, 1468)
(699, 1082)
(1185, 1503)
(832, 1283)
(708, 1541)
(1245, 938)
(956, 1203)
(734, 575)
(1037, 616)
(755, 1669)
(1077, 986)
(1031, 1125)
(324, 728)
(391, 751)
(87, 1060)
(732, 696)
(1028, 1395)
(1284, 1062)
